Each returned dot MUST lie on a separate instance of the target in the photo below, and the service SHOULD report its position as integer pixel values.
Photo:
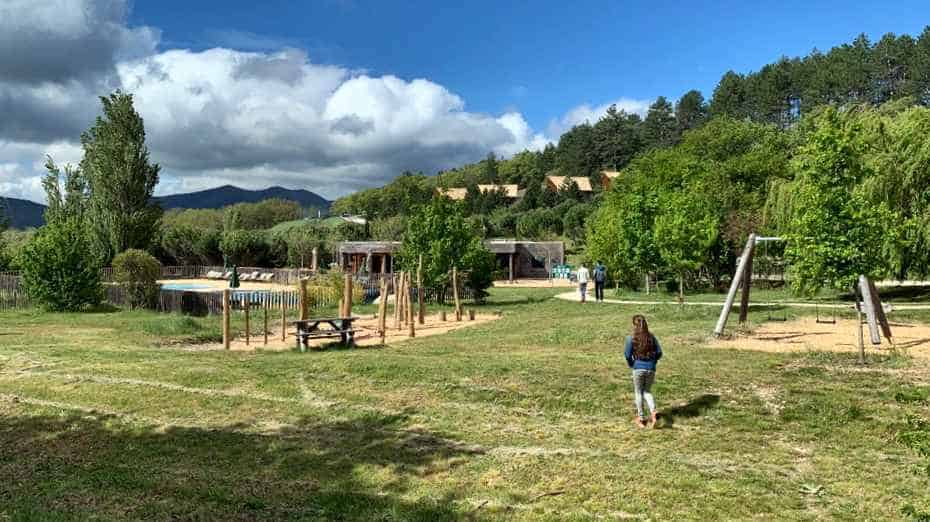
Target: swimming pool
(185, 286)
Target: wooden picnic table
(338, 327)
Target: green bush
(58, 268)
(137, 272)
(245, 247)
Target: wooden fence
(12, 296)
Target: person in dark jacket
(642, 352)
(600, 279)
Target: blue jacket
(641, 364)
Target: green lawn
(114, 416)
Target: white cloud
(224, 115)
(586, 113)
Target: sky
(338, 95)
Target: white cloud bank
(221, 115)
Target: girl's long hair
(644, 345)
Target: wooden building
(510, 191)
(557, 182)
(518, 259)
(527, 259)
(372, 257)
(607, 177)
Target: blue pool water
(184, 286)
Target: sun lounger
(268, 276)
(213, 274)
(226, 275)
(250, 276)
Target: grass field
(117, 416)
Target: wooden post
(471, 314)
(510, 268)
(734, 285)
(246, 304)
(455, 294)
(346, 310)
(395, 278)
(265, 317)
(382, 310)
(226, 312)
(283, 316)
(405, 299)
(314, 259)
(442, 316)
(421, 299)
(304, 304)
(747, 285)
(859, 326)
(647, 283)
(411, 320)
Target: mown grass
(526, 418)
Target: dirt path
(576, 297)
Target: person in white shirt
(583, 275)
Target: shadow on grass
(72, 467)
(693, 408)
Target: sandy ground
(535, 283)
(806, 334)
(365, 332)
(220, 284)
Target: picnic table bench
(340, 327)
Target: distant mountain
(21, 213)
(220, 197)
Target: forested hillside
(696, 176)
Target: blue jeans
(642, 389)
(583, 288)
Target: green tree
(576, 152)
(660, 129)
(439, 233)
(690, 111)
(137, 272)
(729, 97)
(685, 229)
(621, 231)
(617, 138)
(835, 234)
(59, 270)
(120, 180)
(244, 247)
(260, 215)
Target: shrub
(137, 272)
(58, 268)
(245, 247)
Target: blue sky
(339, 95)
(541, 58)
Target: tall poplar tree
(120, 180)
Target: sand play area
(807, 335)
(366, 332)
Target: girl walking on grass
(642, 352)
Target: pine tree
(690, 111)
(660, 128)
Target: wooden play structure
(868, 305)
(409, 312)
